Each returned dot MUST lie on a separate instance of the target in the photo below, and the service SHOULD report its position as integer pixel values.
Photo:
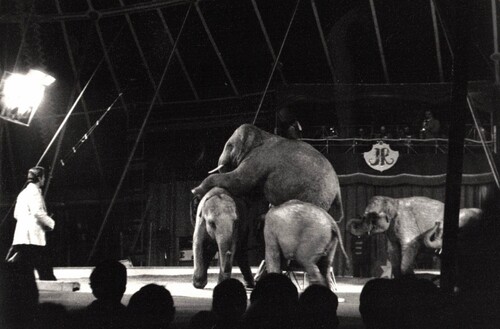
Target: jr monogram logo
(381, 157)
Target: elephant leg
(325, 265)
(408, 254)
(273, 256)
(208, 251)
(208, 254)
(308, 257)
(394, 255)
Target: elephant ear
(391, 209)
(197, 207)
(251, 137)
(193, 209)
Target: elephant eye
(212, 224)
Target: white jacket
(32, 218)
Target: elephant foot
(200, 284)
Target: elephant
(409, 224)
(280, 168)
(468, 219)
(305, 233)
(221, 227)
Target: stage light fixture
(21, 94)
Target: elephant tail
(336, 234)
(338, 209)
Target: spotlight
(21, 94)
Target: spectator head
(378, 304)
(151, 307)
(274, 285)
(273, 303)
(108, 280)
(317, 307)
(229, 300)
(407, 302)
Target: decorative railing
(404, 145)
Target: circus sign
(381, 157)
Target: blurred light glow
(22, 94)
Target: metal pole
(2, 123)
(322, 37)
(68, 114)
(379, 41)
(275, 63)
(76, 74)
(458, 106)
(495, 38)
(178, 55)
(216, 49)
(80, 95)
(438, 43)
(139, 50)
(24, 31)
(266, 36)
(139, 136)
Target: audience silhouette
(152, 307)
(18, 296)
(51, 315)
(273, 303)
(108, 281)
(317, 308)
(202, 320)
(407, 302)
(229, 303)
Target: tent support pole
(458, 106)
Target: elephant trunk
(357, 227)
(434, 237)
(226, 257)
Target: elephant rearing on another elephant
(282, 169)
(409, 224)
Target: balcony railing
(404, 145)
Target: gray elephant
(303, 232)
(409, 225)
(281, 168)
(221, 227)
(468, 219)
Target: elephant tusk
(216, 169)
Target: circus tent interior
(147, 92)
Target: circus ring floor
(187, 299)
